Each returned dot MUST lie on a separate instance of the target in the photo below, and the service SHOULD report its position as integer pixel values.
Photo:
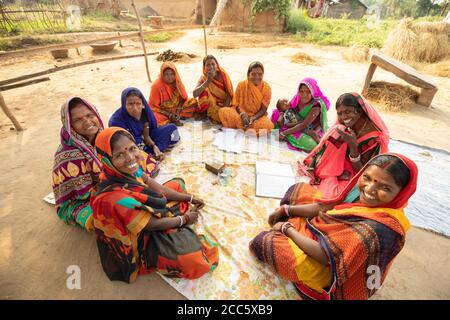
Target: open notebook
(273, 179)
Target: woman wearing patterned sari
(214, 89)
(168, 98)
(358, 135)
(76, 166)
(342, 248)
(250, 103)
(141, 226)
(311, 106)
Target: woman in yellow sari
(168, 98)
(250, 103)
(214, 89)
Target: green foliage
(162, 36)
(298, 21)
(280, 7)
(347, 32)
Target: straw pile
(169, 55)
(392, 96)
(357, 53)
(419, 42)
(304, 58)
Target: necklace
(363, 127)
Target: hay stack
(392, 96)
(357, 53)
(304, 58)
(420, 42)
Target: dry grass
(357, 53)
(242, 40)
(392, 97)
(439, 69)
(419, 42)
(304, 58)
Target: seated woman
(136, 117)
(168, 97)
(76, 166)
(311, 107)
(250, 103)
(214, 89)
(342, 248)
(141, 226)
(358, 135)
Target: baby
(288, 116)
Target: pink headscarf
(315, 92)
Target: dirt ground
(36, 248)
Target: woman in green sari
(303, 121)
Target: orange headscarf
(162, 91)
(226, 78)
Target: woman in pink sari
(309, 105)
(358, 135)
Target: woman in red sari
(358, 135)
(142, 226)
(342, 248)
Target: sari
(329, 160)
(301, 140)
(357, 240)
(164, 136)
(166, 97)
(122, 208)
(75, 171)
(214, 96)
(249, 98)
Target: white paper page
(272, 186)
(274, 169)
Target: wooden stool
(405, 72)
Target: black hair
(134, 93)
(117, 135)
(394, 166)
(348, 100)
(74, 102)
(254, 65)
(209, 57)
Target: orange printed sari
(171, 98)
(214, 96)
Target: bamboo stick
(9, 114)
(23, 84)
(204, 27)
(141, 36)
(78, 64)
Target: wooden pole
(141, 35)
(23, 84)
(204, 23)
(73, 65)
(9, 113)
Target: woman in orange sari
(214, 89)
(142, 226)
(358, 135)
(250, 103)
(168, 97)
(342, 248)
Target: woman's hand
(245, 119)
(191, 216)
(349, 137)
(275, 216)
(281, 136)
(158, 154)
(277, 226)
(198, 202)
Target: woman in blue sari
(136, 117)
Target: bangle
(285, 226)
(355, 159)
(286, 210)
(181, 221)
(192, 197)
